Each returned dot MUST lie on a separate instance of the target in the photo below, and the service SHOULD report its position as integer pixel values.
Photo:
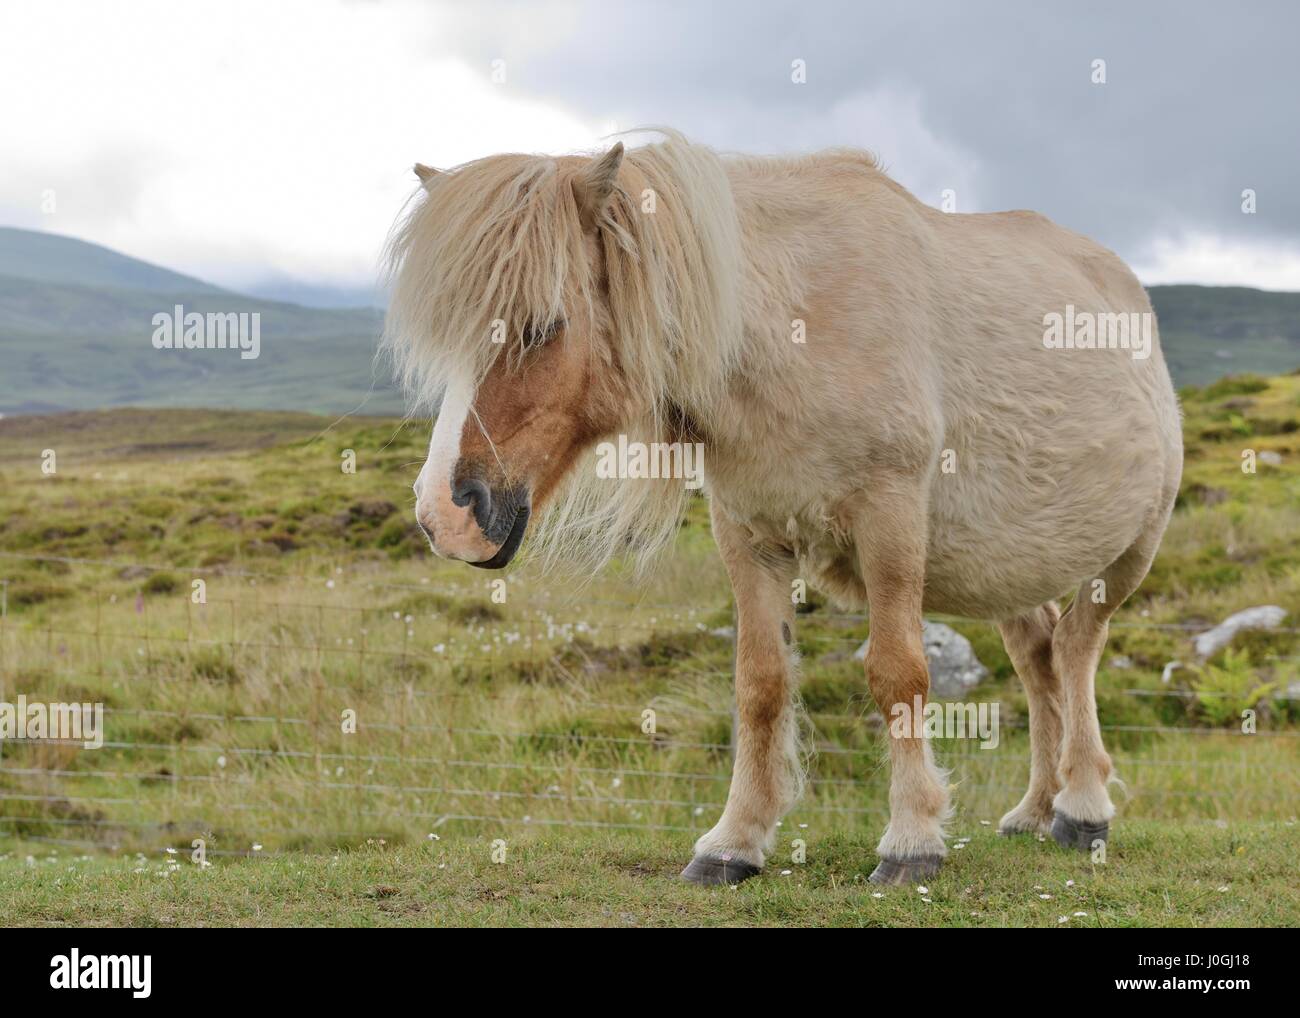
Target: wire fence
(260, 712)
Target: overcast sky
(243, 141)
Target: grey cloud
(1200, 99)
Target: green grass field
(524, 719)
(1240, 875)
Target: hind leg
(1028, 640)
(1082, 807)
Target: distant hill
(1211, 331)
(76, 328)
(51, 258)
(76, 322)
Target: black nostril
(474, 493)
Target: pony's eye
(537, 333)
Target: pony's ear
(595, 184)
(427, 174)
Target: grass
(525, 718)
(1239, 875)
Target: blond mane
(498, 243)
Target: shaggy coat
(883, 411)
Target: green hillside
(78, 347)
(1211, 331)
(76, 322)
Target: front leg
(767, 774)
(891, 541)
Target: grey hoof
(906, 871)
(708, 871)
(1076, 834)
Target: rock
(724, 632)
(1121, 661)
(1270, 458)
(1210, 642)
(954, 668)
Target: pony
(910, 410)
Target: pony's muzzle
(473, 522)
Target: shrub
(160, 583)
(1234, 385)
(1225, 691)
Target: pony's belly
(991, 564)
(977, 588)
(1024, 526)
(1015, 555)
(967, 586)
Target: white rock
(1266, 616)
(954, 668)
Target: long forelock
(488, 250)
(499, 239)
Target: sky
(247, 142)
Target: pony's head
(554, 302)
